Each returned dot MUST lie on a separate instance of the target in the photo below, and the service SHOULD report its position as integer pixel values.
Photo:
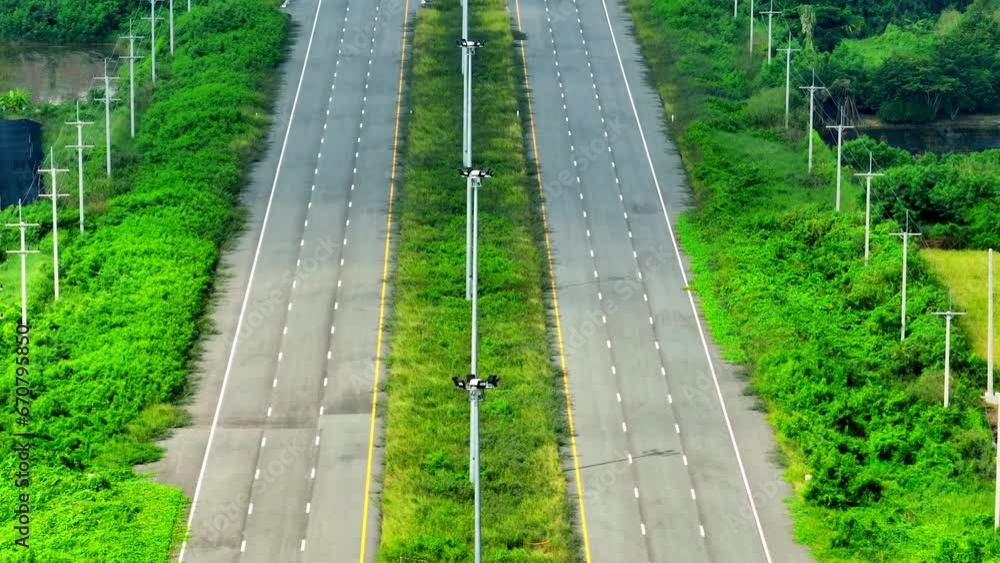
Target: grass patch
(965, 273)
(427, 499)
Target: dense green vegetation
(427, 495)
(110, 358)
(894, 476)
(63, 20)
(954, 198)
(904, 61)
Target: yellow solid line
(555, 299)
(385, 281)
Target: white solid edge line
(694, 308)
(246, 295)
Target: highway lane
(286, 469)
(663, 477)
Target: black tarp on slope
(20, 158)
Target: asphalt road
(674, 462)
(284, 410)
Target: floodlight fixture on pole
(476, 172)
(840, 150)
(131, 37)
(107, 99)
(24, 252)
(788, 75)
(948, 315)
(868, 202)
(79, 146)
(812, 113)
(469, 44)
(906, 234)
(770, 15)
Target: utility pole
(189, 5)
(770, 14)
(171, 5)
(906, 234)
(736, 7)
(788, 75)
(24, 252)
(152, 34)
(131, 76)
(948, 315)
(840, 150)
(989, 327)
(751, 29)
(107, 111)
(54, 195)
(868, 202)
(79, 146)
(812, 113)
(475, 386)
(468, 49)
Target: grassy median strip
(427, 504)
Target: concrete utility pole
(736, 7)
(812, 113)
(54, 195)
(79, 146)
(788, 75)
(906, 239)
(171, 5)
(840, 150)
(131, 76)
(770, 14)
(107, 111)
(468, 49)
(948, 315)
(189, 5)
(24, 252)
(989, 326)
(868, 201)
(752, 17)
(473, 384)
(152, 34)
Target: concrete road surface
(277, 458)
(675, 466)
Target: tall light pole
(131, 76)
(468, 49)
(473, 384)
(24, 252)
(788, 75)
(840, 150)
(906, 234)
(107, 112)
(948, 315)
(770, 15)
(868, 202)
(812, 113)
(54, 195)
(79, 146)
